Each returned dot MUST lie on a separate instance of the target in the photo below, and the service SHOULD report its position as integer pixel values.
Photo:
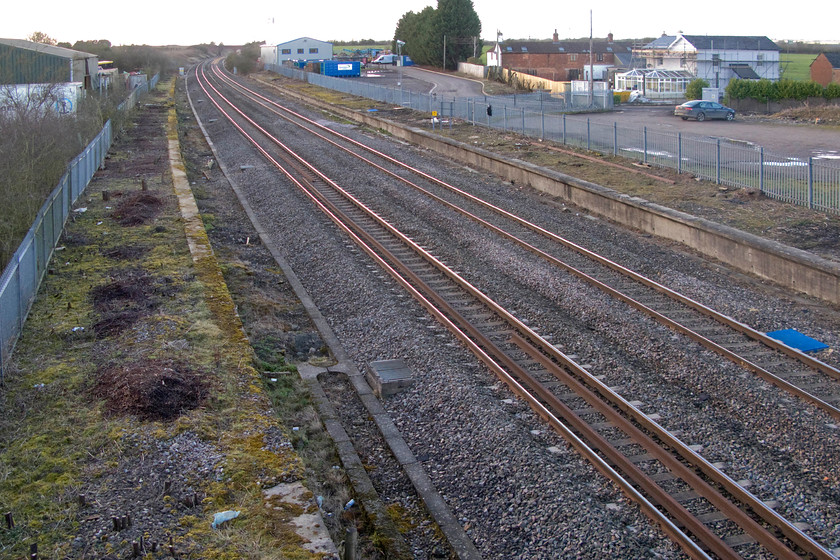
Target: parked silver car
(702, 110)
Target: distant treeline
(800, 47)
(360, 43)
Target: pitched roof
(662, 42)
(731, 42)
(552, 47)
(46, 49)
(744, 71)
(833, 58)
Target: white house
(304, 48)
(494, 57)
(714, 58)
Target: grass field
(797, 66)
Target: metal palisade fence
(20, 280)
(812, 182)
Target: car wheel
(685, 118)
(701, 117)
(730, 116)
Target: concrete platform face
(309, 525)
(388, 377)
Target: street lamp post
(400, 65)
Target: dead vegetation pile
(137, 208)
(826, 115)
(129, 295)
(158, 389)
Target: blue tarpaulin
(796, 339)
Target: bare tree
(41, 37)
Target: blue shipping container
(341, 69)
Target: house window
(682, 62)
(715, 60)
(286, 51)
(313, 50)
(572, 57)
(600, 57)
(759, 59)
(659, 61)
(300, 51)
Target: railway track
(695, 503)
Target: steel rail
(677, 535)
(436, 263)
(742, 328)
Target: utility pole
(444, 52)
(591, 80)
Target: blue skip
(796, 339)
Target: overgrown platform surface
(132, 412)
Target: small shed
(27, 62)
(825, 69)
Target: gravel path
(517, 488)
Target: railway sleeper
(739, 540)
(711, 517)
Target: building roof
(833, 58)
(662, 42)
(554, 47)
(744, 71)
(658, 73)
(717, 42)
(46, 49)
(302, 40)
(731, 43)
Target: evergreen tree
(458, 22)
(424, 33)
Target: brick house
(825, 69)
(561, 60)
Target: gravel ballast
(516, 487)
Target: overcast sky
(180, 22)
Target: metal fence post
(505, 123)
(523, 121)
(615, 138)
(542, 125)
(761, 168)
(644, 144)
(679, 152)
(810, 182)
(588, 135)
(564, 129)
(717, 163)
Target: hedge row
(765, 90)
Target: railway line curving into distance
(661, 393)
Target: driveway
(797, 140)
(425, 81)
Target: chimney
(555, 37)
(609, 37)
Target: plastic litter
(349, 504)
(223, 516)
(320, 500)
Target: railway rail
(696, 504)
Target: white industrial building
(303, 49)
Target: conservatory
(655, 84)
